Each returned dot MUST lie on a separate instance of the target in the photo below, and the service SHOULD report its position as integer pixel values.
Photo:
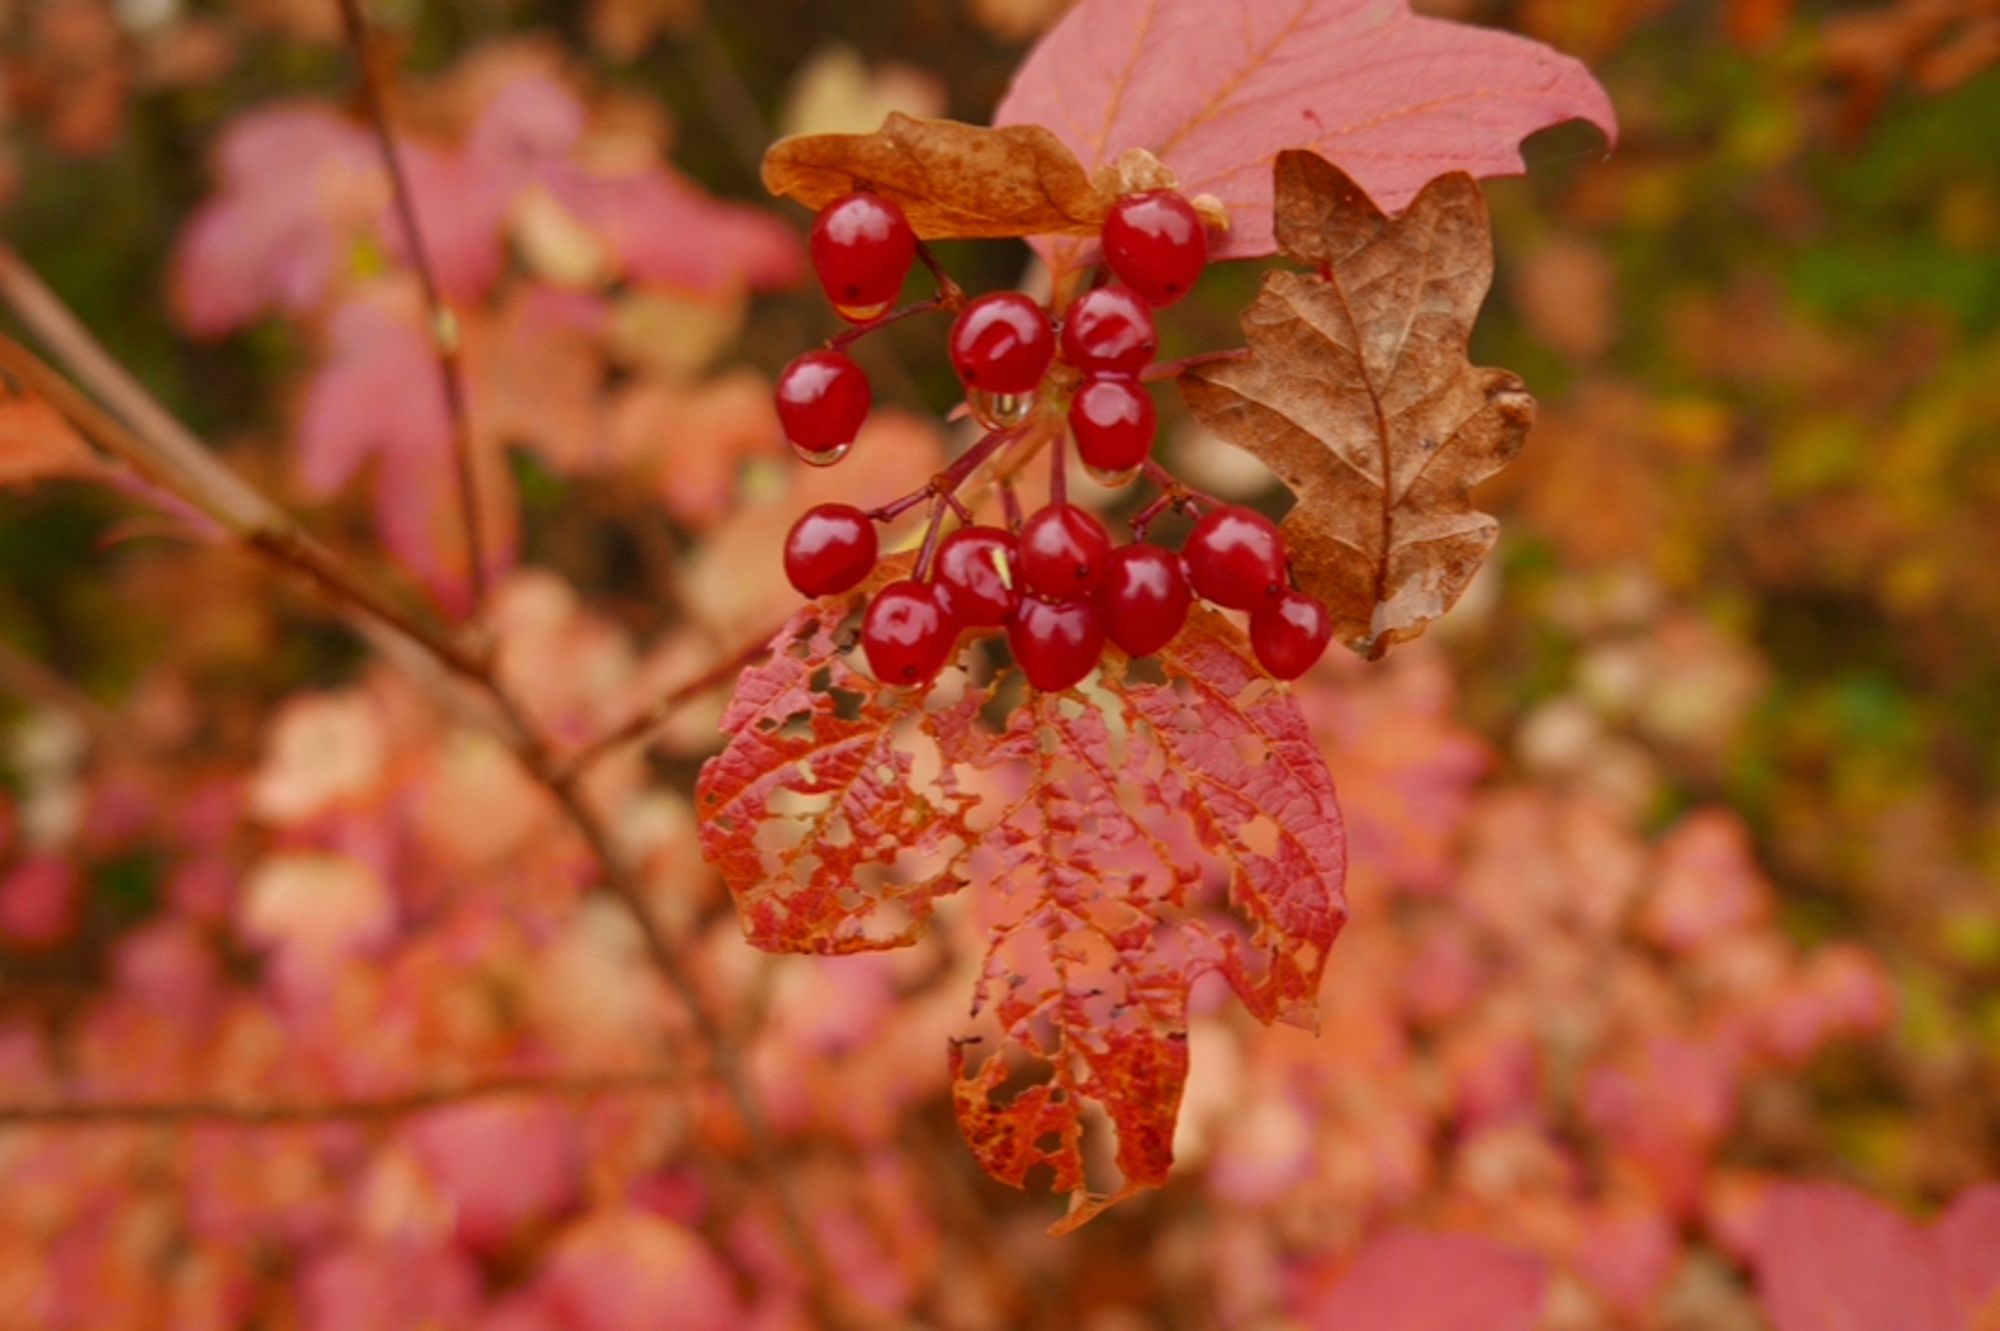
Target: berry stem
(932, 533)
(1010, 504)
(1144, 517)
(946, 483)
(1168, 369)
(841, 340)
(1058, 471)
(1177, 492)
(950, 295)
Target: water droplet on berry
(824, 457)
(861, 314)
(999, 411)
(1112, 479)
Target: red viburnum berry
(1290, 633)
(1064, 551)
(862, 247)
(1056, 643)
(1145, 598)
(830, 549)
(977, 570)
(908, 633)
(1113, 421)
(1109, 331)
(1156, 244)
(823, 398)
(1002, 343)
(1236, 558)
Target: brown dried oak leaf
(952, 180)
(1123, 842)
(1358, 393)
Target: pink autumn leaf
(1832, 1259)
(1968, 1235)
(298, 183)
(1408, 1280)
(622, 1269)
(502, 1163)
(662, 230)
(40, 903)
(377, 398)
(1392, 99)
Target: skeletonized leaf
(1218, 90)
(1124, 848)
(952, 180)
(1358, 393)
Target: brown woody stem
(86, 1113)
(167, 453)
(444, 329)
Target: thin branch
(274, 1113)
(656, 714)
(444, 324)
(213, 489)
(728, 98)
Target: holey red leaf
(1119, 844)
(1217, 91)
(1357, 392)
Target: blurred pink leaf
(502, 1164)
(1217, 91)
(39, 903)
(1969, 1236)
(618, 1270)
(298, 182)
(377, 398)
(1407, 1280)
(1832, 1259)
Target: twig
(655, 714)
(213, 489)
(444, 324)
(255, 1113)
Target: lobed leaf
(952, 180)
(1218, 91)
(1358, 393)
(1130, 842)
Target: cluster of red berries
(1055, 582)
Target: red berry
(830, 549)
(1236, 558)
(977, 572)
(1145, 598)
(1002, 343)
(1290, 633)
(862, 247)
(1156, 244)
(1056, 643)
(1064, 551)
(1113, 421)
(1109, 331)
(823, 398)
(908, 632)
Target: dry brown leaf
(1357, 392)
(953, 180)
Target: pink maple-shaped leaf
(377, 399)
(298, 184)
(1408, 1280)
(662, 230)
(1217, 91)
(1832, 1259)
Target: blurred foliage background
(1750, 558)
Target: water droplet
(1115, 480)
(824, 457)
(861, 314)
(999, 411)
